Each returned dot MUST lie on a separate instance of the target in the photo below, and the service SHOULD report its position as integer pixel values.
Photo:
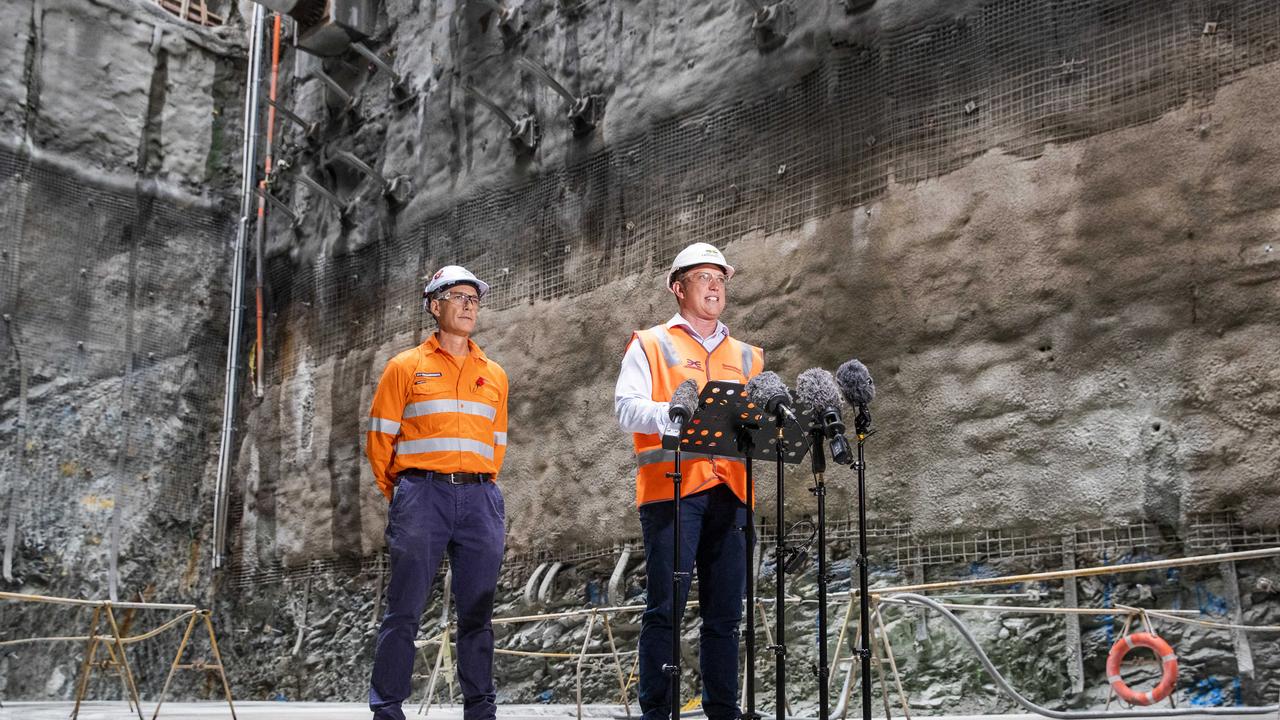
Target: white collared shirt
(633, 401)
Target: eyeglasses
(462, 300)
(702, 277)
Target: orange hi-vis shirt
(434, 411)
(675, 356)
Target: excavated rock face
(118, 144)
(1062, 334)
(1047, 228)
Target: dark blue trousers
(713, 541)
(429, 517)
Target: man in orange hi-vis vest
(692, 344)
(437, 436)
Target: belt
(457, 478)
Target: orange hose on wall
(262, 203)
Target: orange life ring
(1168, 661)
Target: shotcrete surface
(1076, 339)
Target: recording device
(797, 556)
(817, 388)
(683, 402)
(859, 390)
(768, 391)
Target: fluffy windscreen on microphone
(684, 400)
(816, 388)
(855, 383)
(766, 387)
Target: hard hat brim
(481, 286)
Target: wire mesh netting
(922, 100)
(1013, 75)
(114, 339)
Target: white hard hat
(452, 275)
(698, 254)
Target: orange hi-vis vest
(433, 411)
(675, 356)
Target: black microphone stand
(819, 490)
(862, 426)
(672, 669)
(745, 445)
(780, 576)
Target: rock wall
(1059, 268)
(118, 143)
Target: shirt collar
(678, 320)
(432, 344)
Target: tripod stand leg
(878, 662)
(893, 663)
(768, 637)
(844, 627)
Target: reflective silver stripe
(413, 447)
(659, 455)
(1171, 657)
(746, 359)
(667, 346)
(1113, 679)
(499, 438)
(651, 457)
(383, 425)
(466, 407)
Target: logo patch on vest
(693, 364)
(428, 375)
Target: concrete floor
(287, 711)
(358, 711)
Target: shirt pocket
(487, 393)
(426, 388)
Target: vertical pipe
(249, 151)
(261, 231)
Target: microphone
(683, 402)
(859, 390)
(816, 388)
(768, 391)
(855, 383)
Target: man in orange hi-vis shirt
(437, 436)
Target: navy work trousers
(713, 540)
(427, 518)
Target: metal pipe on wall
(248, 162)
(259, 244)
